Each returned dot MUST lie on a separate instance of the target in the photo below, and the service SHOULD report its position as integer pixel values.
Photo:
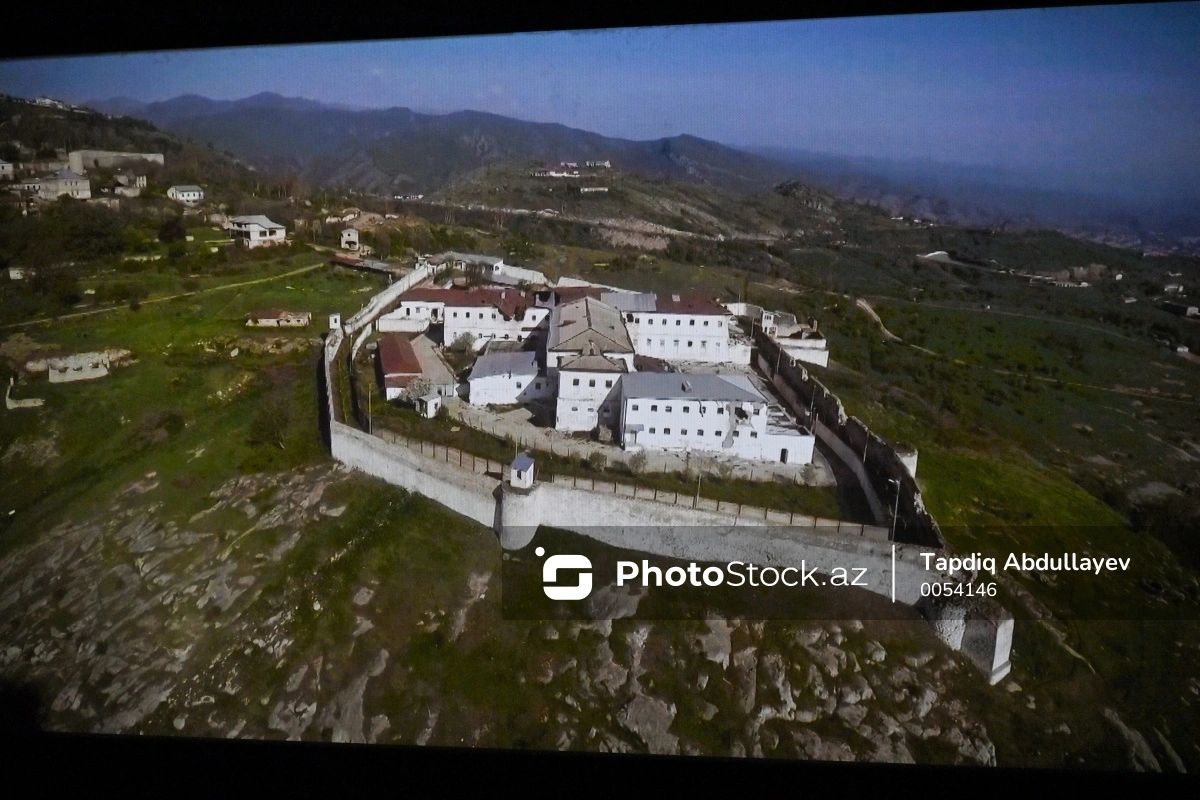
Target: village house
(7, 173)
(350, 239)
(397, 365)
(1182, 309)
(719, 414)
(65, 182)
(274, 318)
(79, 367)
(507, 377)
(188, 194)
(255, 231)
(1173, 288)
(29, 185)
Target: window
(683, 432)
(574, 408)
(700, 432)
(647, 343)
(677, 343)
(481, 315)
(686, 409)
(575, 382)
(753, 434)
(591, 411)
(689, 342)
(668, 409)
(608, 384)
(537, 385)
(720, 409)
(717, 434)
(703, 344)
(518, 384)
(592, 383)
(493, 316)
(735, 433)
(720, 324)
(678, 322)
(456, 315)
(706, 323)
(692, 322)
(408, 312)
(635, 406)
(654, 408)
(667, 431)
(652, 430)
(756, 411)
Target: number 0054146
(949, 589)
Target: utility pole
(895, 510)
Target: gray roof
(592, 363)
(630, 301)
(521, 362)
(689, 386)
(256, 219)
(187, 187)
(63, 175)
(522, 463)
(588, 325)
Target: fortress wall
(700, 535)
(461, 490)
(852, 440)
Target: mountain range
(401, 151)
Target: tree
(172, 230)
(383, 244)
(465, 343)
(637, 462)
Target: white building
(349, 239)
(275, 318)
(255, 231)
(589, 392)
(65, 182)
(800, 342)
(490, 268)
(79, 367)
(398, 366)
(7, 173)
(719, 414)
(586, 327)
(680, 328)
(508, 377)
(187, 194)
(485, 313)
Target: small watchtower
(520, 474)
(335, 321)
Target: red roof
(397, 357)
(688, 304)
(509, 301)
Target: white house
(520, 473)
(507, 378)
(6, 171)
(79, 367)
(485, 313)
(275, 318)
(586, 327)
(720, 414)
(349, 239)
(255, 231)
(491, 268)
(398, 365)
(799, 341)
(188, 194)
(680, 328)
(589, 391)
(65, 182)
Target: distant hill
(399, 150)
(46, 130)
(982, 197)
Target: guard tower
(520, 474)
(335, 321)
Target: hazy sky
(1085, 97)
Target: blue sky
(1104, 98)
